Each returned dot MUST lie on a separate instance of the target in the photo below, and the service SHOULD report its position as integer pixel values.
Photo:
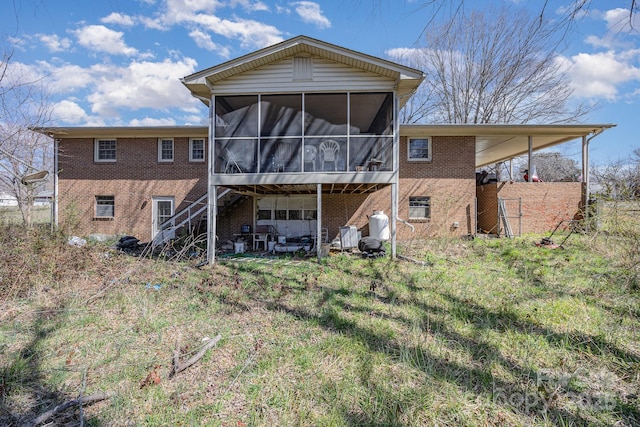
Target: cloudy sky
(118, 62)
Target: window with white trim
(419, 207)
(104, 150)
(105, 206)
(419, 149)
(196, 150)
(165, 149)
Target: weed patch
(495, 332)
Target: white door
(162, 210)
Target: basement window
(420, 207)
(105, 207)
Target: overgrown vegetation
(486, 332)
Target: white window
(105, 206)
(196, 150)
(419, 207)
(104, 150)
(165, 149)
(419, 149)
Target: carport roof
(495, 143)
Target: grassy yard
(12, 215)
(480, 332)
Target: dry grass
(486, 333)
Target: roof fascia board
(124, 132)
(574, 130)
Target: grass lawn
(12, 215)
(482, 332)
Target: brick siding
(544, 204)
(133, 179)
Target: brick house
(303, 141)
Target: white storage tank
(379, 226)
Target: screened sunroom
(302, 117)
(304, 132)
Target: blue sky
(118, 62)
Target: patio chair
(310, 154)
(230, 162)
(262, 234)
(329, 150)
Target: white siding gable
(283, 76)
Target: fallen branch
(63, 407)
(179, 367)
(415, 261)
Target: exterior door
(162, 209)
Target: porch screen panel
(236, 155)
(236, 116)
(326, 114)
(281, 115)
(372, 113)
(372, 153)
(281, 155)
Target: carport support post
(54, 205)
(212, 190)
(319, 221)
(585, 180)
(394, 217)
(530, 163)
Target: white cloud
(68, 111)
(252, 34)
(200, 14)
(102, 39)
(194, 120)
(140, 85)
(204, 41)
(119, 19)
(250, 5)
(54, 43)
(621, 20)
(311, 13)
(150, 121)
(66, 78)
(600, 75)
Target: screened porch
(304, 133)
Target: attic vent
(302, 68)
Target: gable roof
(407, 78)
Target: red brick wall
(544, 204)
(449, 179)
(133, 179)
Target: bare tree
(619, 180)
(491, 67)
(567, 12)
(550, 167)
(25, 156)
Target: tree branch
(63, 407)
(179, 367)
